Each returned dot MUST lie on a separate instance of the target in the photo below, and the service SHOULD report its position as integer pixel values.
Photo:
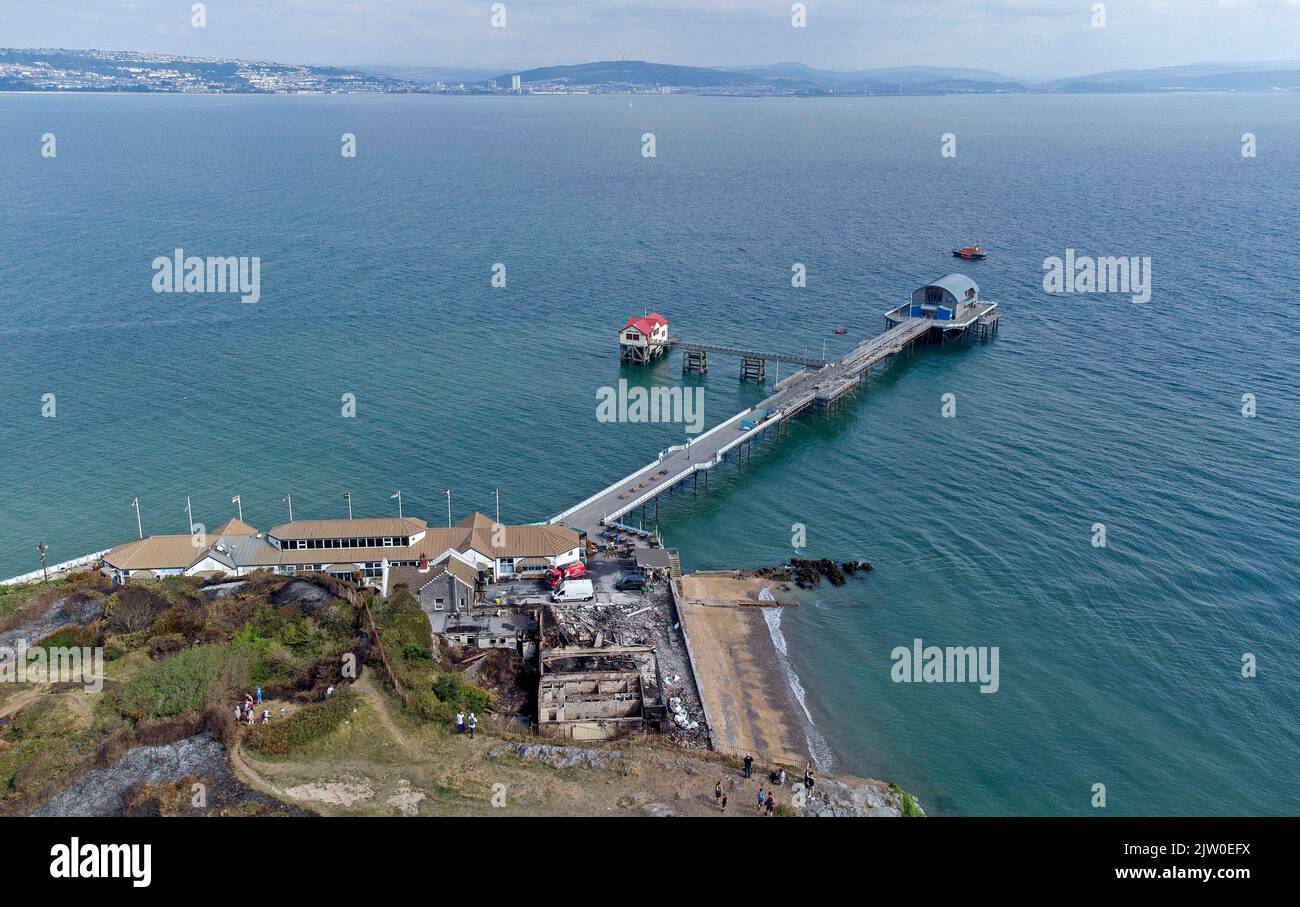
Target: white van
(574, 590)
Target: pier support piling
(695, 361)
(753, 369)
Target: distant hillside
(451, 75)
(1199, 77)
(641, 74)
(910, 78)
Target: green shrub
(307, 724)
(431, 708)
(178, 684)
(906, 803)
(454, 691)
(71, 638)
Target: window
(388, 543)
(439, 605)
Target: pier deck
(795, 394)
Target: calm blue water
(1118, 665)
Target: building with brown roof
(348, 548)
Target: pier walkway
(741, 352)
(794, 394)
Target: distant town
(54, 69)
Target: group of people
(766, 798)
(461, 723)
(245, 712)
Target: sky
(1024, 39)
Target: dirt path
(376, 700)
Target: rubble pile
(637, 620)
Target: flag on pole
(447, 492)
(394, 496)
(235, 500)
(347, 495)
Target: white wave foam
(818, 748)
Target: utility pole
(41, 547)
(497, 492)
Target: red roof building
(643, 339)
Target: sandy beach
(746, 694)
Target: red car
(556, 575)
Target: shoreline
(751, 694)
(819, 748)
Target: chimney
(424, 563)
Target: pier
(948, 308)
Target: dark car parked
(631, 582)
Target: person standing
(749, 766)
(460, 722)
(473, 723)
(770, 803)
(762, 798)
(717, 794)
(808, 780)
(259, 695)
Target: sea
(1159, 668)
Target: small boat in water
(970, 253)
(841, 330)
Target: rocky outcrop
(559, 756)
(832, 797)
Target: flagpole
(190, 512)
(397, 496)
(348, 495)
(240, 503)
(289, 499)
(497, 492)
(448, 508)
(139, 527)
